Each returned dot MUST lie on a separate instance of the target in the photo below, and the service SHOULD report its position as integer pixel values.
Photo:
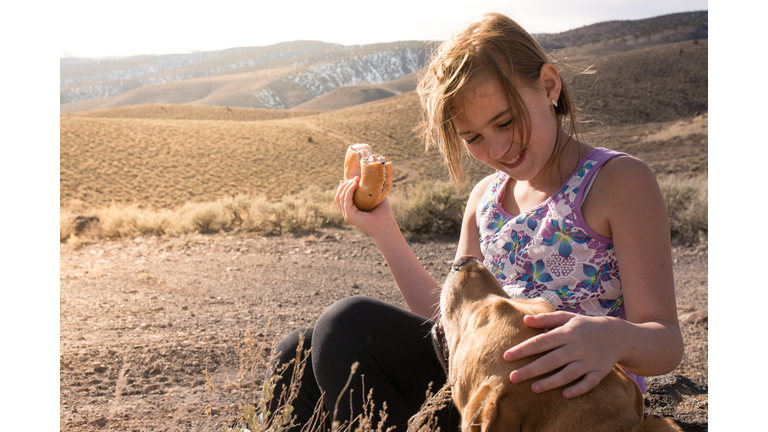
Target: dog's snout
(460, 262)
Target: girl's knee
(287, 347)
(350, 310)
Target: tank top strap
(590, 166)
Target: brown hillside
(613, 37)
(657, 84)
(193, 112)
(162, 162)
(163, 155)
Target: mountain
(312, 75)
(279, 76)
(612, 37)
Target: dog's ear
(480, 412)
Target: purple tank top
(550, 252)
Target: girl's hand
(583, 346)
(370, 222)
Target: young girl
(584, 228)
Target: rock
(84, 222)
(101, 421)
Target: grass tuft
(431, 209)
(688, 208)
(426, 211)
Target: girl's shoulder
(624, 173)
(625, 186)
(482, 186)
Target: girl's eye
(473, 139)
(506, 124)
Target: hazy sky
(99, 28)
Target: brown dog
(480, 322)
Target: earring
(554, 102)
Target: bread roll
(375, 173)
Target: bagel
(375, 173)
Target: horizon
(427, 21)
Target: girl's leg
(309, 393)
(396, 359)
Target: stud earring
(554, 102)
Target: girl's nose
(498, 147)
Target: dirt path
(151, 327)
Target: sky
(103, 29)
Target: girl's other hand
(370, 222)
(583, 346)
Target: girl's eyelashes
(473, 139)
(507, 124)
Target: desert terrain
(154, 330)
(172, 316)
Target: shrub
(130, 221)
(203, 217)
(66, 225)
(431, 209)
(687, 206)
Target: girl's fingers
(544, 364)
(535, 345)
(568, 374)
(548, 320)
(590, 381)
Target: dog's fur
(480, 322)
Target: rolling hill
(301, 74)
(163, 154)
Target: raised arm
(419, 290)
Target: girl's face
(482, 118)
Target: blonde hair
(498, 47)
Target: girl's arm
(419, 290)
(627, 199)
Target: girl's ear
(549, 77)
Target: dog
(478, 322)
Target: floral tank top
(549, 251)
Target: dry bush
(204, 218)
(300, 213)
(687, 206)
(431, 209)
(131, 221)
(256, 401)
(67, 225)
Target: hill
(280, 76)
(613, 37)
(318, 75)
(164, 155)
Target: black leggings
(395, 355)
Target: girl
(584, 228)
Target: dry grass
(688, 206)
(156, 162)
(261, 412)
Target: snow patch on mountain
(374, 68)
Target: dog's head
(480, 322)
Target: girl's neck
(560, 168)
(523, 195)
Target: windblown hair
(497, 47)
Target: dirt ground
(169, 316)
